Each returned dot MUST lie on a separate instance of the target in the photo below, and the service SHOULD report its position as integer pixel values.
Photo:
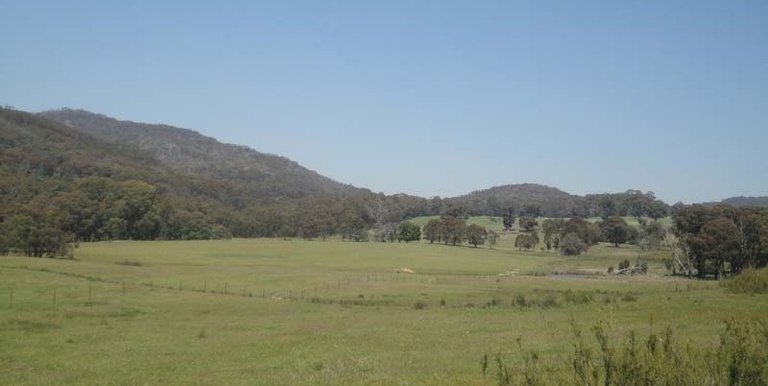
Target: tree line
(452, 229)
(717, 241)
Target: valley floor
(270, 311)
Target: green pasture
(269, 311)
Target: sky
(425, 97)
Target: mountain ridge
(189, 151)
(250, 193)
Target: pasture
(271, 311)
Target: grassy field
(270, 311)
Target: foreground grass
(297, 312)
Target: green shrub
(751, 281)
(420, 305)
(741, 358)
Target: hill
(192, 186)
(746, 201)
(189, 152)
(90, 169)
(495, 201)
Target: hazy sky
(429, 98)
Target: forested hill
(496, 200)
(135, 181)
(746, 201)
(83, 176)
(263, 175)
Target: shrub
(572, 245)
(751, 281)
(492, 303)
(624, 264)
(520, 301)
(658, 359)
(549, 302)
(629, 297)
(420, 305)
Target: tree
(37, 235)
(433, 230)
(509, 218)
(572, 245)
(138, 199)
(527, 223)
(650, 235)
(551, 228)
(525, 241)
(586, 232)
(476, 234)
(408, 232)
(657, 210)
(492, 238)
(386, 232)
(615, 230)
(453, 229)
(718, 243)
(718, 240)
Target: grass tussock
(353, 302)
(741, 358)
(751, 281)
(27, 326)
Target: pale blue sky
(425, 97)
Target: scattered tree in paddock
(509, 218)
(476, 234)
(551, 228)
(615, 230)
(453, 229)
(386, 233)
(650, 235)
(586, 232)
(408, 232)
(433, 230)
(525, 241)
(492, 238)
(572, 245)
